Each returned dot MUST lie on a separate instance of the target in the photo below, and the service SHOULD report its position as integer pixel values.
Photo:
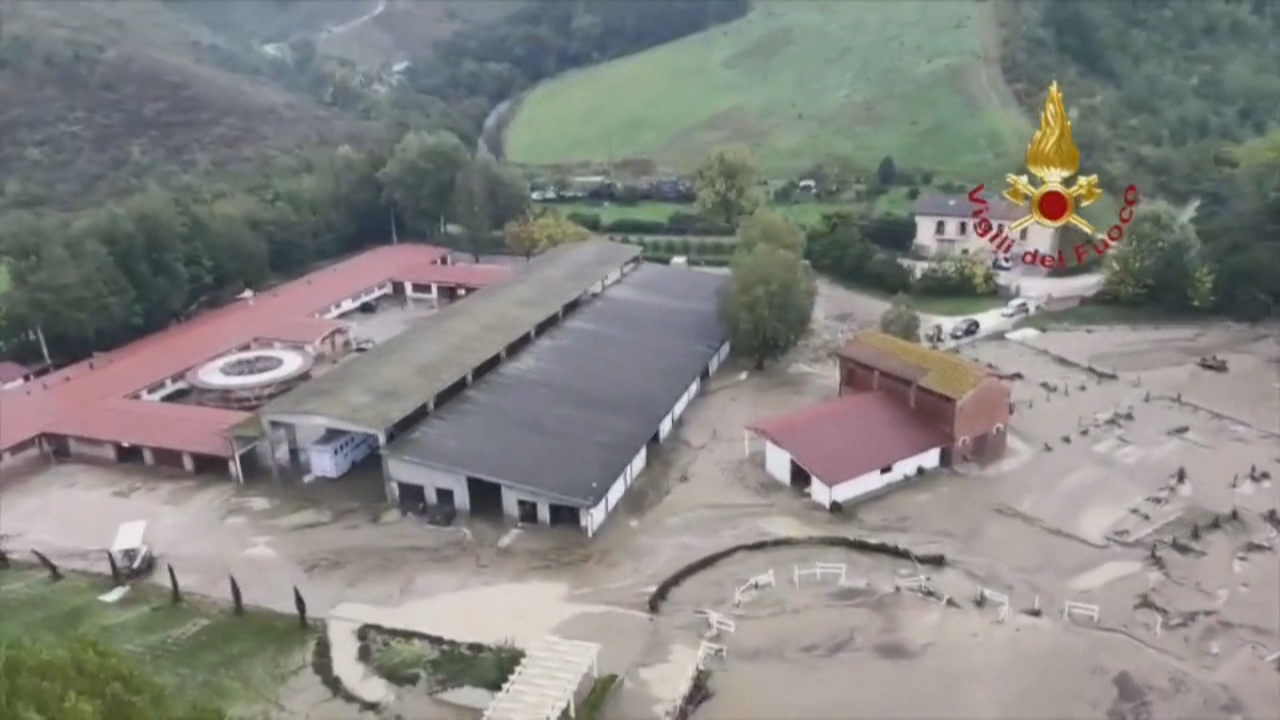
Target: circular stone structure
(251, 377)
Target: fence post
(236, 597)
(175, 592)
(54, 572)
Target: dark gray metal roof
(394, 378)
(564, 417)
(960, 206)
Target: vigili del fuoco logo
(1053, 158)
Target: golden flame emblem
(1053, 157)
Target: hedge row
(664, 588)
(678, 223)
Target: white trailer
(336, 452)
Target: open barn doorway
(486, 497)
(564, 516)
(800, 478)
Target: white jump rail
(748, 590)
(819, 571)
(911, 583)
(1071, 608)
(716, 623)
(1001, 600)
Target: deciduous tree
(901, 321)
(541, 231)
(418, 179)
(766, 227)
(768, 302)
(471, 207)
(1160, 262)
(727, 186)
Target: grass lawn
(937, 304)
(201, 651)
(797, 82)
(801, 213)
(1101, 315)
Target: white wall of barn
(428, 478)
(593, 519)
(777, 464)
(343, 307)
(877, 480)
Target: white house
(945, 227)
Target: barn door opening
(564, 516)
(800, 478)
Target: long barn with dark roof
(559, 433)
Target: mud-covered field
(1070, 515)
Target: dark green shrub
(636, 226)
(590, 221)
(683, 222)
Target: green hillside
(799, 82)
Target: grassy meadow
(894, 202)
(202, 652)
(798, 82)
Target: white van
(1016, 307)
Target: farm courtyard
(1071, 514)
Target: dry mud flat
(866, 651)
(1070, 521)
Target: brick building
(902, 409)
(955, 395)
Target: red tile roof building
(903, 409)
(96, 400)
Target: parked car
(1002, 262)
(965, 328)
(1016, 308)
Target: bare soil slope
(100, 97)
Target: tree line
(93, 280)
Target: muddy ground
(1066, 516)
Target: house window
(1023, 234)
(886, 470)
(964, 228)
(964, 251)
(940, 227)
(1000, 228)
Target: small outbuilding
(848, 448)
(902, 409)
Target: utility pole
(44, 348)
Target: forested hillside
(1183, 100)
(1157, 87)
(153, 167)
